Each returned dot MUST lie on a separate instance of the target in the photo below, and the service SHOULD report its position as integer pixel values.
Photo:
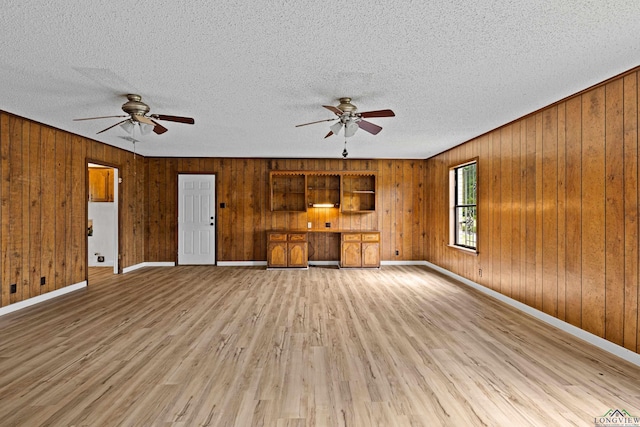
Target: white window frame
(452, 208)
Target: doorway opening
(102, 219)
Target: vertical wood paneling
(516, 226)
(43, 207)
(24, 179)
(614, 213)
(561, 203)
(242, 184)
(523, 211)
(385, 181)
(506, 195)
(67, 277)
(15, 209)
(418, 208)
(48, 208)
(573, 213)
(550, 211)
(61, 209)
(224, 215)
(539, 211)
(572, 202)
(484, 211)
(5, 200)
(496, 210)
(35, 214)
(530, 229)
(630, 136)
(593, 203)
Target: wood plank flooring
(225, 346)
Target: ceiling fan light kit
(138, 113)
(349, 118)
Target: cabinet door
(277, 254)
(100, 185)
(370, 254)
(298, 254)
(351, 256)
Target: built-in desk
(290, 248)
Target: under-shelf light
(323, 205)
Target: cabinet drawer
(351, 237)
(298, 237)
(277, 237)
(370, 237)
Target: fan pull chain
(345, 153)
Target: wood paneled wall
(558, 210)
(243, 185)
(43, 194)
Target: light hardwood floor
(224, 346)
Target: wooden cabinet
(100, 184)
(287, 250)
(358, 193)
(359, 250)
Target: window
(464, 212)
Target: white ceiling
(248, 72)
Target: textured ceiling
(248, 72)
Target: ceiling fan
(351, 120)
(138, 113)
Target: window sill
(473, 252)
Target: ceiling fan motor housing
(346, 106)
(135, 106)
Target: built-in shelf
(323, 190)
(298, 191)
(288, 192)
(358, 193)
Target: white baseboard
(41, 298)
(424, 263)
(595, 340)
(242, 263)
(147, 264)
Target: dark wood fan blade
(187, 120)
(158, 128)
(93, 118)
(319, 121)
(377, 113)
(337, 111)
(329, 134)
(369, 127)
(112, 126)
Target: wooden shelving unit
(297, 191)
(323, 189)
(288, 192)
(358, 193)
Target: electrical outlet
(327, 224)
(480, 272)
(397, 253)
(43, 281)
(13, 288)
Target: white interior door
(196, 219)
